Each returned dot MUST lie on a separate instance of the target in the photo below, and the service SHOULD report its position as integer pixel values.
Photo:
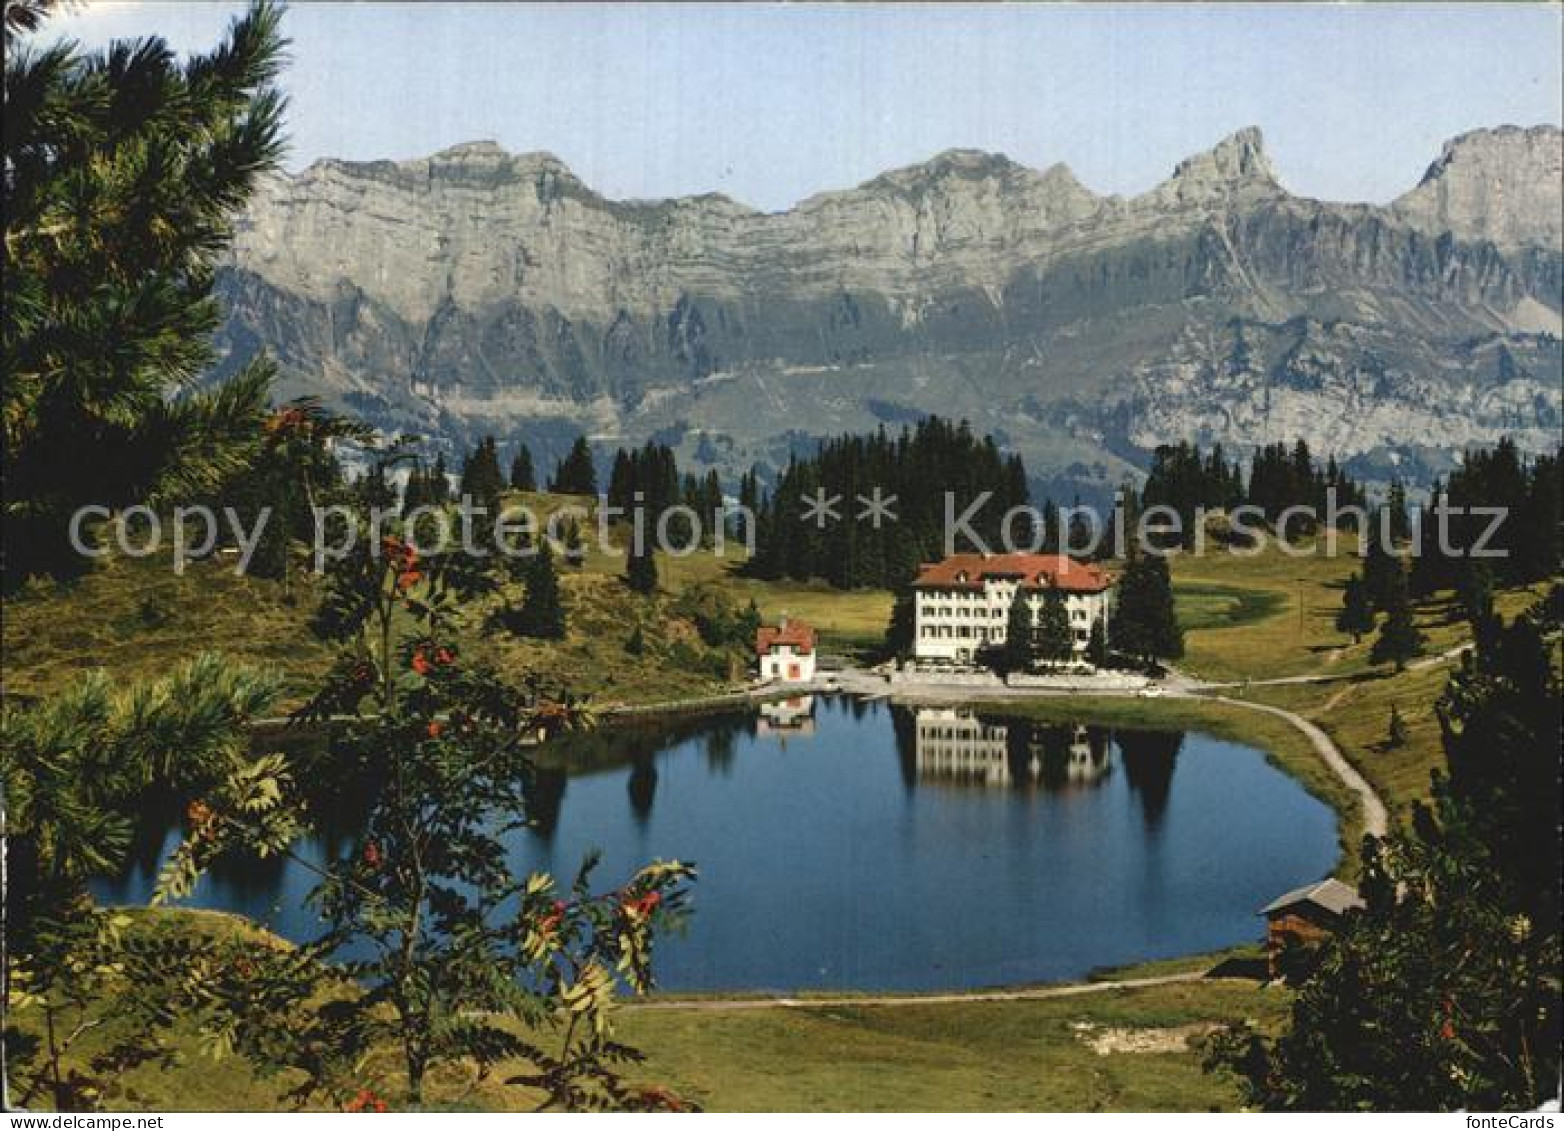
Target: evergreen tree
(1356, 616)
(438, 484)
(522, 476)
(542, 614)
(710, 506)
(1382, 570)
(123, 171)
(641, 570)
(575, 550)
(900, 633)
(372, 489)
(1020, 635)
(1474, 589)
(265, 485)
(749, 502)
(636, 644)
(1097, 644)
(918, 467)
(481, 478)
(1399, 639)
(1145, 622)
(418, 492)
(576, 474)
(1398, 523)
(1538, 522)
(1396, 734)
(1055, 643)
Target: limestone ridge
(1500, 185)
(1236, 166)
(478, 290)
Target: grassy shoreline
(948, 1055)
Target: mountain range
(478, 291)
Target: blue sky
(772, 103)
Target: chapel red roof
(1036, 571)
(789, 632)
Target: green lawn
(1204, 605)
(977, 1056)
(1260, 616)
(1355, 711)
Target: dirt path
(1334, 701)
(1033, 993)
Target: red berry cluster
(645, 905)
(403, 559)
(550, 922)
(202, 818)
(287, 420)
(424, 661)
(366, 1100)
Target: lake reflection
(845, 843)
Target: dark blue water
(856, 845)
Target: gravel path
(1031, 993)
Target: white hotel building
(962, 604)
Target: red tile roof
(1037, 571)
(793, 632)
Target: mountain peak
(1504, 140)
(1237, 161)
(1499, 184)
(493, 154)
(968, 164)
(466, 150)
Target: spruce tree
(1399, 639)
(439, 481)
(749, 504)
(1474, 589)
(372, 489)
(576, 474)
(900, 632)
(1356, 616)
(1382, 569)
(1396, 734)
(641, 570)
(1055, 644)
(481, 479)
(1020, 635)
(1145, 624)
(416, 493)
(522, 475)
(542, 614)
(124, 169)
(1398, 523)
(1097, 644)
(575, 549)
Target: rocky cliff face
(1496, 185)
(482, 291)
